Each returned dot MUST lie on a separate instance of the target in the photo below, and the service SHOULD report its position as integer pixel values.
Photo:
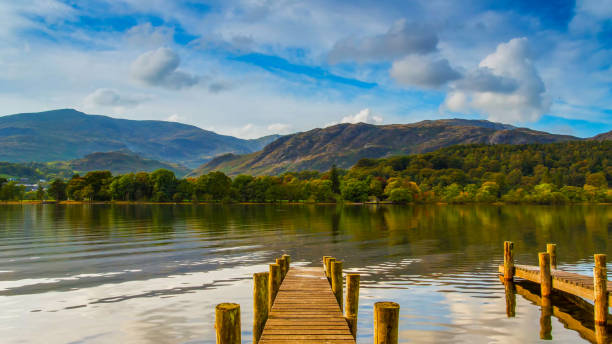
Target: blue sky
(257, 67)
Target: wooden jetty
(551, 279)
(305, 305)
(306, 311)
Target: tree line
(533, 173)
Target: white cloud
(363, 116)
(159, 68)
(423, 71)
(174, 118)
(279, 128)
(403, 38)
(110, 97)
(506, 87)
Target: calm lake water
(153, 273)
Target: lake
(153, 273)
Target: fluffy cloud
(403, 38)
(423, 71)
(160, 68)
(279, 128)
(110, 97)
(506, 86)
(363, 116)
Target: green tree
(335, 180)
(57, 190)
(354, 190)
(164, 184)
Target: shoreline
(498, 203)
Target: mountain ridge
(344, 144)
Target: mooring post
(325, 258)
(545, 277)
(600, 276)
(274, 282)
(260, 303)
(508, 260)
(352, 302)
(386, 322)
(601, 334)
(227, 323)
(287, 259)
(336, 281)
(283, 267)
(328, 266)
(551, 249)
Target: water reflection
(152, 273)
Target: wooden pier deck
(571, 283)
(305, 310)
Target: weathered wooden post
(274, 282)
(260, 303)
(545, 277)
(287, 259)
(546, 318)
(325, 258)
(508, 260)
(283, 267)
(601, 334)
(227, 323)
(336, 281)
(551, 249)
(600, 276)
(352, 302)
(386, 322)
(328, 266)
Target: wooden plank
(306, 311)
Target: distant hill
(344, 144)
(119, 163)
(67, 134)
(603, 137)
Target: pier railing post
(546, 318)
(545, 276)
(551, 249)
(508, 260)
(386, 323)
(328, 266)
(227, 323)
(336, 281)
(600, 276)
(352, 302)
(274, 282)
(283, 267)
(287, 259)
(260, 303)
(325, 258)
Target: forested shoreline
(578, 171)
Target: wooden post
(260, 303)
(283, 267)
(328, 265)
(325, 258)
(545, 277)
(551, 249)
(274, 282)
(336, 281)
(546, 319)
(352, 302)
(227, 323)
(386, 322)
(600, 276)
(287, 259)
(601, 334)
(508, 260)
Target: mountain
(344, 144)
(120, 163)
(603, 137)
(69, 134)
